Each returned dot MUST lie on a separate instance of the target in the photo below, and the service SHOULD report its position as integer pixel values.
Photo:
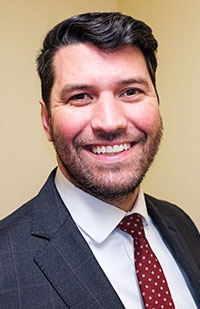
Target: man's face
(105, 121)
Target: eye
(80, 96)
(132, 94)
(80, 99)
(132, 91)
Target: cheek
(68, 124)
(147, 118)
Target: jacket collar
(49, 212)
(66, 260)
(173, 224)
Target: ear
(45, 120)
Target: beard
(106, 181)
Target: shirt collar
(93, 216)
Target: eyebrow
(69, 88)
(139, 80)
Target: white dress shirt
(113, 248)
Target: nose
(108, 115)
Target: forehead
(84, 61)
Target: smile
(111, 150)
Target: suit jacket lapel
(67, 261)
(184, 250)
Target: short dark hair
(107, 31)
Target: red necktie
(152, 282)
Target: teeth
(121, 148)
(115, 148)
(110, 149)
(102, 149)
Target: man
(66, 247)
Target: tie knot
(132, 225)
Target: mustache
(101, 137)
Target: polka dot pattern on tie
(151, 279)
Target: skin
(103, 99)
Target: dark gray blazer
(46, 263)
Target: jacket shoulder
(164, 211)
(24, 213)
(21, 215)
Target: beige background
(26, 156)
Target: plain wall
(175, 172)
(26, 156)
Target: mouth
(110, 149)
